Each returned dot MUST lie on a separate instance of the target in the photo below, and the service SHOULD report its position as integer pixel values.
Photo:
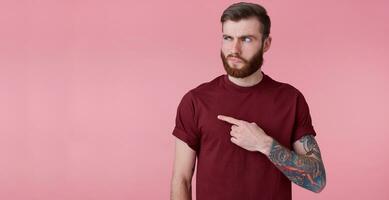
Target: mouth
(234, 59)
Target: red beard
(249, 66)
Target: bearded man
(252, 136)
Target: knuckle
(253, 125)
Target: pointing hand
(248, 135)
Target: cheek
(224, 50)
(250, 52)
(227, 46)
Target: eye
(247, 39)
(226, 37)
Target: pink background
(90, 88)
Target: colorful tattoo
(304, 170)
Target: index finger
(230, 120)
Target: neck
(248, 81)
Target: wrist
(268, 144)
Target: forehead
(250, 26)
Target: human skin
(242, 39)
(302, 166)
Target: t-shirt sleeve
(303, 122)
(186, 124)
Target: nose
(236, 47)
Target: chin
(236, 66)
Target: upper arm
(308, 146)
(184, 161)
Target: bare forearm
(181, 190)
(303, 170)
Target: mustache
(235, 56)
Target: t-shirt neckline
(230, 85)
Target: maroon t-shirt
(226, 171)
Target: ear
(267, 43)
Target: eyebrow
(240, 37)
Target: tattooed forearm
(310, 146)
(304, 170)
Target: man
(252, 135)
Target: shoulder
(206, 87)
(284, 89)
(202, 89)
